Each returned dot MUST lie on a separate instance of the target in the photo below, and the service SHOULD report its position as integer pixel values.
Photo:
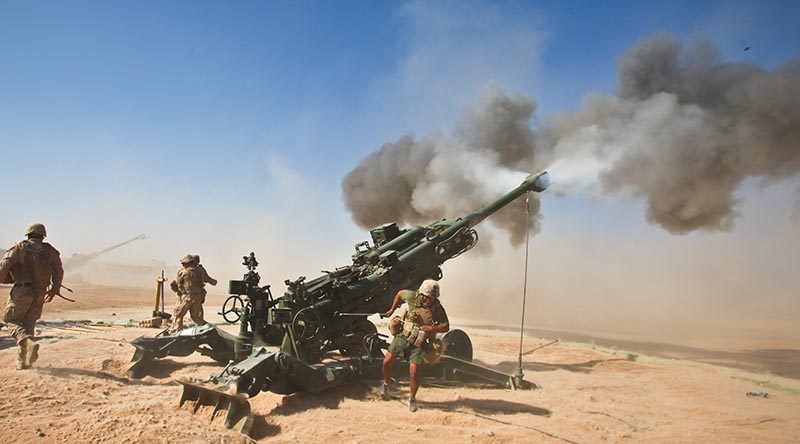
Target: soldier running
(34, 267)
(414, 332)
(190, 287)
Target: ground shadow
(328, 399)
(580, 367)
(164, 368)
(485, 406)
(67, 372)
(7, 342)
(263, 429)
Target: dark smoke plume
(684, 131)
(687, 129)
(419, 181)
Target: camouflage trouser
(405, 350)
(193, 303)
(23, 309)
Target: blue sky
(207, 84)
(236, 121)
(153, 96)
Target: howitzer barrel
(535, 182)
(80, 260)
(114, 247)
(424, 249)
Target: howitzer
(285, 341)
(398, 259)
(79, 260)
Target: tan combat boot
(22, 355)
(33, 352)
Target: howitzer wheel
(458, 345)
(232, 309)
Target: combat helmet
(188, 259)
(36, 229)
(429, 288)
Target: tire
(458, 345)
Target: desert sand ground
(78, 392)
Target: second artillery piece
(284, 343)
(79, 260)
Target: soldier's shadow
(328, 399)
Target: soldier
(423, 318)
(32, 266)
(190, 287)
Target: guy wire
(525, 282)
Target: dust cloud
(415, 181)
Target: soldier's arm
(58, 272)
(57, 276)
(9, 259)
(395, 303)
(174, 285)
(441, 324)
(206, 278)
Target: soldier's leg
(33, 315)
(19, 303)
(17, 306)
(397, 347)
(388, 382)
(413, 384)
(388, 363)
(180, 312)
(415, 358)
(196, 312)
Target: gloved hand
(51, 293)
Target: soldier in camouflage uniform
(423, 318)
(190, 287)
(34, 267)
